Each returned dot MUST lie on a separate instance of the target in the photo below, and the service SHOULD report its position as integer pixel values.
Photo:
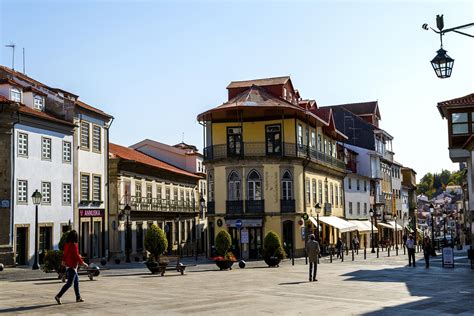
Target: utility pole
(12, 46)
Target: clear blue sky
(155, 65)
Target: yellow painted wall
(337, 208)
(220, 189)
(272, 187)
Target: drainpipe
(12, 199)
(108, 193)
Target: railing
(327, 209)
(255, 206)
(161, 205)
(259, 149)
(234, 207)
(380, 199)
(287, 206)
(211, 210)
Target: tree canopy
(433, 184)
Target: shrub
(62, 241)
(52, 261)
(272, 246)
(223, 242)
(155, 242)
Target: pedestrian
(404, 240)
(355, 241)
(312, 249)
(411, 250)
(71, 260)
(426, 251)
(339, 247)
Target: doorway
(255, 242)
(96, 240)
(22, 245)
(45, 242)
(169, 234)
(288, 236)
(85, 239)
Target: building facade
(270, 158)
(157, 193)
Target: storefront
(364, 229)
(334, 227)
(92, 233)
(247, 237)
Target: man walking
(312, 249)
(411, 250)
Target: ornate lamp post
(433, 253)
(36, 201)
(371, 212)
(126, 213)
(444, 228)
(317, 208)
(201, 204)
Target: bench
(168, 263)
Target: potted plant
(224, 259)
(273, 251)
(155, 244)
(53, 258)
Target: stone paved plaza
(373, 286)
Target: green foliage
(63, 239)
(272, 246)
(434, 183)
(223, 242)
(52, 261)
(155, 242)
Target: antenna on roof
(182, 138)
(12, 45)
(24, 61)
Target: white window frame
(67, 156)
(40, 104)
(44, 149)
(66, 193)
(94, 189)
(22, 144)
(96, 138)
(254, 186)
(46, 193)
(22, 191)
(233, 187)
(82, 135)
(287, 186)
(14, 93)
(82, 188)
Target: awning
(385, 225)
(363, 226)
(390, 225)
(336, 222)
(398, 226)
(314, 221)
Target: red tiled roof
(258, 82)
(322, 113)
(43, 115)
(134, 155)
(462, 101)
(91, 108)
(4, 100)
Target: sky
(155, 65)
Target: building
(270, 158)
(157, 193)
(186, 157)
(458, 113)
(89, 149)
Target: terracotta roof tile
(462, 101)
(134, 155)
(258, 82)
(4, 100)
(91, 108)
(322, 113)
(43, 115)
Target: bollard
(330, 256)
(347, 251)
(377, 252)
(352, 254)
(388, 251)
(396, 251)
(292, 257)
(365, 253)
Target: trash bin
(470, 254)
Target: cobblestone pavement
(374, 286)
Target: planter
(224, 264)
(156, 267)
(272, 261)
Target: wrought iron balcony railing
(211, 208)
(254, 206)
(235, 207)
(287, 206)
(161, 205)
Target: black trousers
(426, 254)
(313, 268)
(411, 256)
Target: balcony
(379, 199)
(160, 205)
(259, 149)
(211, 210)
(287, 206)
(254, 206)
(234, 207)
(327, 209)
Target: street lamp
(126, 213)
(433, 253)
(36, 201)
(371, 212)
(201, 203)
(317, 208)
(444, 228)
(442, 63)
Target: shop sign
(448, 257)
(91, 213)
(5, 203)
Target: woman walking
(71, 260)
(427, 251)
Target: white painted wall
(353, 195)
(35, 170)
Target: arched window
(287, 186)
(210, 183)
(254, 186)
(233, 187)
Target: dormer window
(38, 102)
(460, 123)
(15, 94)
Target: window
(234, 141)
(315, 192)
(337, 195)
(168, 194)
(273, 136)
(158, 193)
(308, 192)
(149, 192)
(23, 144)
(358, 208)
(459, 123)
(233, 187)
(320, 185)
(331, 193)
(85, 187)
(350, 208)
(254, 184)
(320, 143)
(330, 148)
(66, 194)
(15, 94)
(358, 184)
(96, 188)
(66, 151)
(313, 139)
(287, 186)
(45, 148)
(326, 191)
(365, 185)
(138, 189)
(181, 195)
(84, 135)
(210, 183)
(365, 208)
(46, 192)
(325, 146)
(349, 181)
(139, 231)
(300, 134)
(341, 201)
(96, 138)
(22, 191)
(38, 102)
(175, 194)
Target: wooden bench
(170, 264)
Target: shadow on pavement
(293, 283)
(25, 308)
